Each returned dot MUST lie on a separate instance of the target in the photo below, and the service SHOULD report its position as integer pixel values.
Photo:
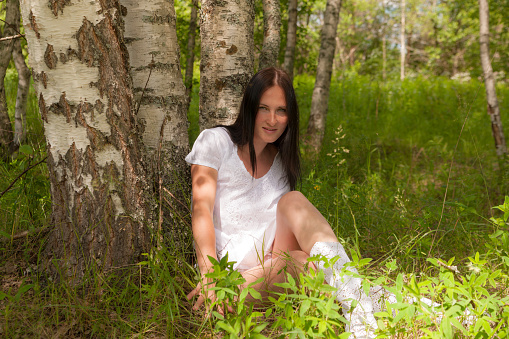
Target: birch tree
(227, 58)
(20, 124)
(100, 213)
(291, 38)
(489, 79)
(271, 34)
(12, 13)
(320, 96)
(160, 96)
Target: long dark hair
(242, 130)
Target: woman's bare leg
(274, 271)
(300, 225)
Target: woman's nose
(272, 118)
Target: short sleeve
(209, 148)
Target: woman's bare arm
(204, 181)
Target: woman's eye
(263, 108)
(281, 111)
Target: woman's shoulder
(220, 134)
(210, 148)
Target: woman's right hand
(205, 292)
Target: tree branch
(12, 37)
(19, 176)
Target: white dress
(244, 214)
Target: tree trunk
(227, 59)
(160, 98)
(291, 38)
(11, 15)
(320, 97)
(20, 127)
(402, 41)
(271, 34)
(190, 52)
(100, 211)
(489, 79)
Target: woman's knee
(291, 199)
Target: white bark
(155, 68)
(98, 187)
(227, 58)
(489, 79)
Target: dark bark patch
(84, 108)
(58, 6)
(123, 10)
(158, 19)
(219, 85)
(63, 58)
(33, 24)
(43, 108)
(65, 107)
(42, 77)
(99, 106)
(232, 50)
(50, 58)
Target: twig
(174, 197)
(19, 176)
(10, 24)
(25, 233)
(12, 37)
(151, 66)
(454, 269)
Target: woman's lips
(270, 130)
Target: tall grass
(388, 158)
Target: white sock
(362, 321)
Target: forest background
(407, 175)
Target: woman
(244, 203)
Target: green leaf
(226, 327)
(26, 149)
(255, 294)
(304, 307)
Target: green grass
(384, 197)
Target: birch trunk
(12, 13)
(100, 214)
(160, 98)
(489, 79)
(20, 128)
(291, 38)
(227, 59)
(402, 41)
(320, 97)
(190, 52)
(271, 34)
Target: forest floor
(407, 177)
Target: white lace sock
(362, 322)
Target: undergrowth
(407, 176)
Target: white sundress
(244, 214)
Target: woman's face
(272, 118)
